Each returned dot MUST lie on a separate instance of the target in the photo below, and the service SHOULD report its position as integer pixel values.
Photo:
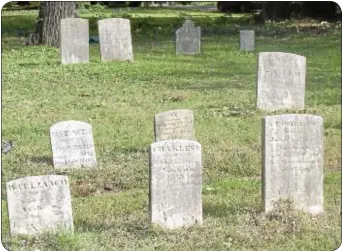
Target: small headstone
(175, 183)
(293, 161)
(74, 40)
(72, 144)
(247, 40)
(39, 203)
(188, 39)
(281, 81)
(175, 124)
(115, 39)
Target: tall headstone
(188, 39)
(247, 40)
(293, 161)
(281, 81)
(175, 183)
(175, 124)
(115, 39)
(74, 40)
(39, 203)
(72, 144)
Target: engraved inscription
(72, 144)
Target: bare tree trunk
(49, 22)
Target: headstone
(247, 40)
(39, 203)
(175, 183)
(74, 40)
(188, 39)
(115, 39)
(281, 81)
(293, 161)
(175, 124)
(72, 144)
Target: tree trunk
(49, 22)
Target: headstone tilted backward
(74, 37)
(174, 124)
(247, 40)
(188, 39)
(115, 39)
(39, 203)
(293, 161)
(175, 183)
(281, 81)
(72, 144)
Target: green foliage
(119, 99)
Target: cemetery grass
(119, 99)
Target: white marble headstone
(115, 39)
(39, 203)
(293, 161)
(72, 144)
(175, 183)
(281, 81)
(174, 124)
(74, 37)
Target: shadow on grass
(42, 160)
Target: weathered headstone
(188, 39)
(39, 203)
(175, 183)
(247, 40)
(74, 40)
(115, 39)
(293, 161)
(281, 81)
(175, 124)
(72, 144)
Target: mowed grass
(119, 100)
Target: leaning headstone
(188, 39)
(247, 40)
(74, 40)
(72, 144)
(281, 81)
(175, 124)
(293, 161)
(39, 203)
(115, 39)
(175, 183)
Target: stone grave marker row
(115, 40)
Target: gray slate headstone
(247, 40)
(281, 81)
(175, 183)
(39, 203)
(74, 40)
(175, 124)
(72, 144)
(188, 39)
(115, 39)
(293, 161)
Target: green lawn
(119, 100)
